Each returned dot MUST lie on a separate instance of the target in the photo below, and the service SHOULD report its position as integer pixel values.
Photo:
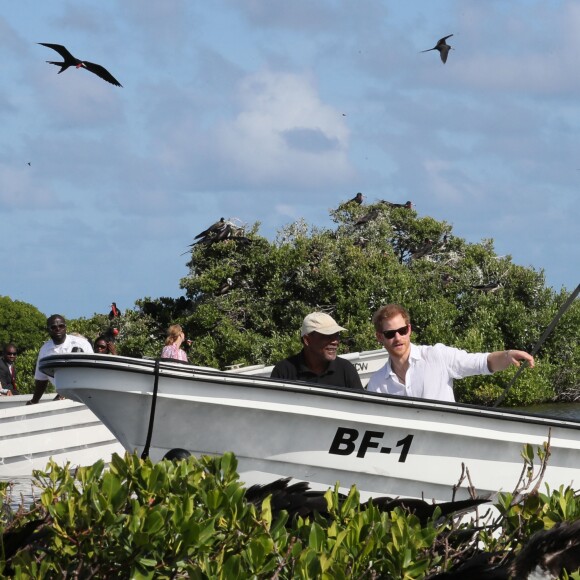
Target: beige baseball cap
(320, 322)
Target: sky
(272, 111)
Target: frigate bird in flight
(442, 47)
(70, 60)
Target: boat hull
(385, 445)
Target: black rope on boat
(145, 453)
(540, 342)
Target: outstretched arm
(502, 359)
(39, 388)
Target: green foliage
(21, 323)
(191, 519)
(25, 366)
(351, 270)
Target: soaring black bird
(442, 47)
(70, 60)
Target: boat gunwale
(190, 372)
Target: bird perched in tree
(425, 248)
(225, 287)
(218, 232)
(373, 214)
(358, 198)
(489, 287)
(217, 236)
(213, 229)
(442, 47)
(115, 312)
(406, 205)
(70, 60)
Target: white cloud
(274, 106)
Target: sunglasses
(57, 326)
(391, 333)
(101, 347)
(11, 354)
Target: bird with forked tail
(70, 60)
(442, 47)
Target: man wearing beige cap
(317, 361)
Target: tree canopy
(21, 323)
(245, 298)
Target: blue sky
(269, 111)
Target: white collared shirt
(431, 372)
(49, 348)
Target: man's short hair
(388, 311)
(53, 317)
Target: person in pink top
(175, 338)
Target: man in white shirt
(60, 342)
(427, 372)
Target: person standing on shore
(60, 343)
(427, 372)
(8, 370)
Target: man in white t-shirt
(60, 342)
(427, 372)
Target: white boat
(385, 445)
(65, 431)
(69, 432)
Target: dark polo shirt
(340, 372)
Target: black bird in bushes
(545, 556)
(70, 60)
(299, 499)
